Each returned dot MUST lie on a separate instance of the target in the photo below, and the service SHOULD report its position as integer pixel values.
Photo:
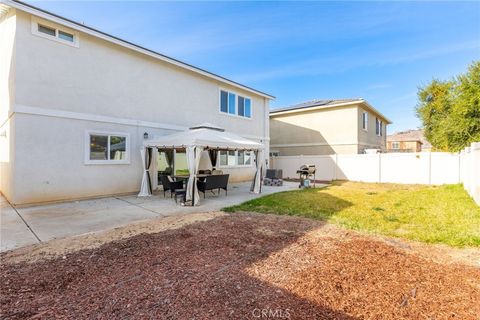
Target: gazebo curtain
(257, 181)
(153, 169)
(213, 154)
(193, 161)
(146, 186)
(169, 157)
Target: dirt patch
(241, 266)
(439, 253)
(60, 247)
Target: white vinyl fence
(409, 168)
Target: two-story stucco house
(76, 105)
(322, 127)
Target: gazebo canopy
(206, 136)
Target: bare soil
(235, 267)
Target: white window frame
(365, 120)
(38, 21)
(236, 104)
(378, 127)
(236, 165)
(396, 145)
(87, 159)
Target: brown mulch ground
(241, 266)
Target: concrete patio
(28, 225)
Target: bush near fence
(433, 168)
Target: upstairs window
(231, 103)
(49, 30)
(46, 30)
(223, 101)
(378, 127)
(56, 33)
(365, 121)
(236, 105)
(65, 36)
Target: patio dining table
(185, 177)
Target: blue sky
(298, 51)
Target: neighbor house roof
(326, 103)
(113, 39)
(410, 135)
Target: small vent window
(65, 36)
(46, 30)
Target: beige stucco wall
(333, 126)
(324, 131)
(368, 139)
(317, 150)
(55, 168)
(327, 131)
(59, 82)
(7, 76)
(103, 78)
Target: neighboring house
(76, 105)
(327, 127)
(408, 141)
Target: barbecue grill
(307, 175)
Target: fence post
(475, 171)
(467, 167)
(379, 168)
(460, 155)
(430, 168)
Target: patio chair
(169, 184)
(213, 182)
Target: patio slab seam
(26, 224)
(139, 206)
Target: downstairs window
(107, 148)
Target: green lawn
(432, 214)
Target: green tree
(450, 110)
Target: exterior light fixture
(145, 135)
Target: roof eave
(317, 107)
(113, 39)
(320, 107)
(388, 121)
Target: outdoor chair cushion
(213, 182)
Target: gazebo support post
(261, 175)
(194, 181)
